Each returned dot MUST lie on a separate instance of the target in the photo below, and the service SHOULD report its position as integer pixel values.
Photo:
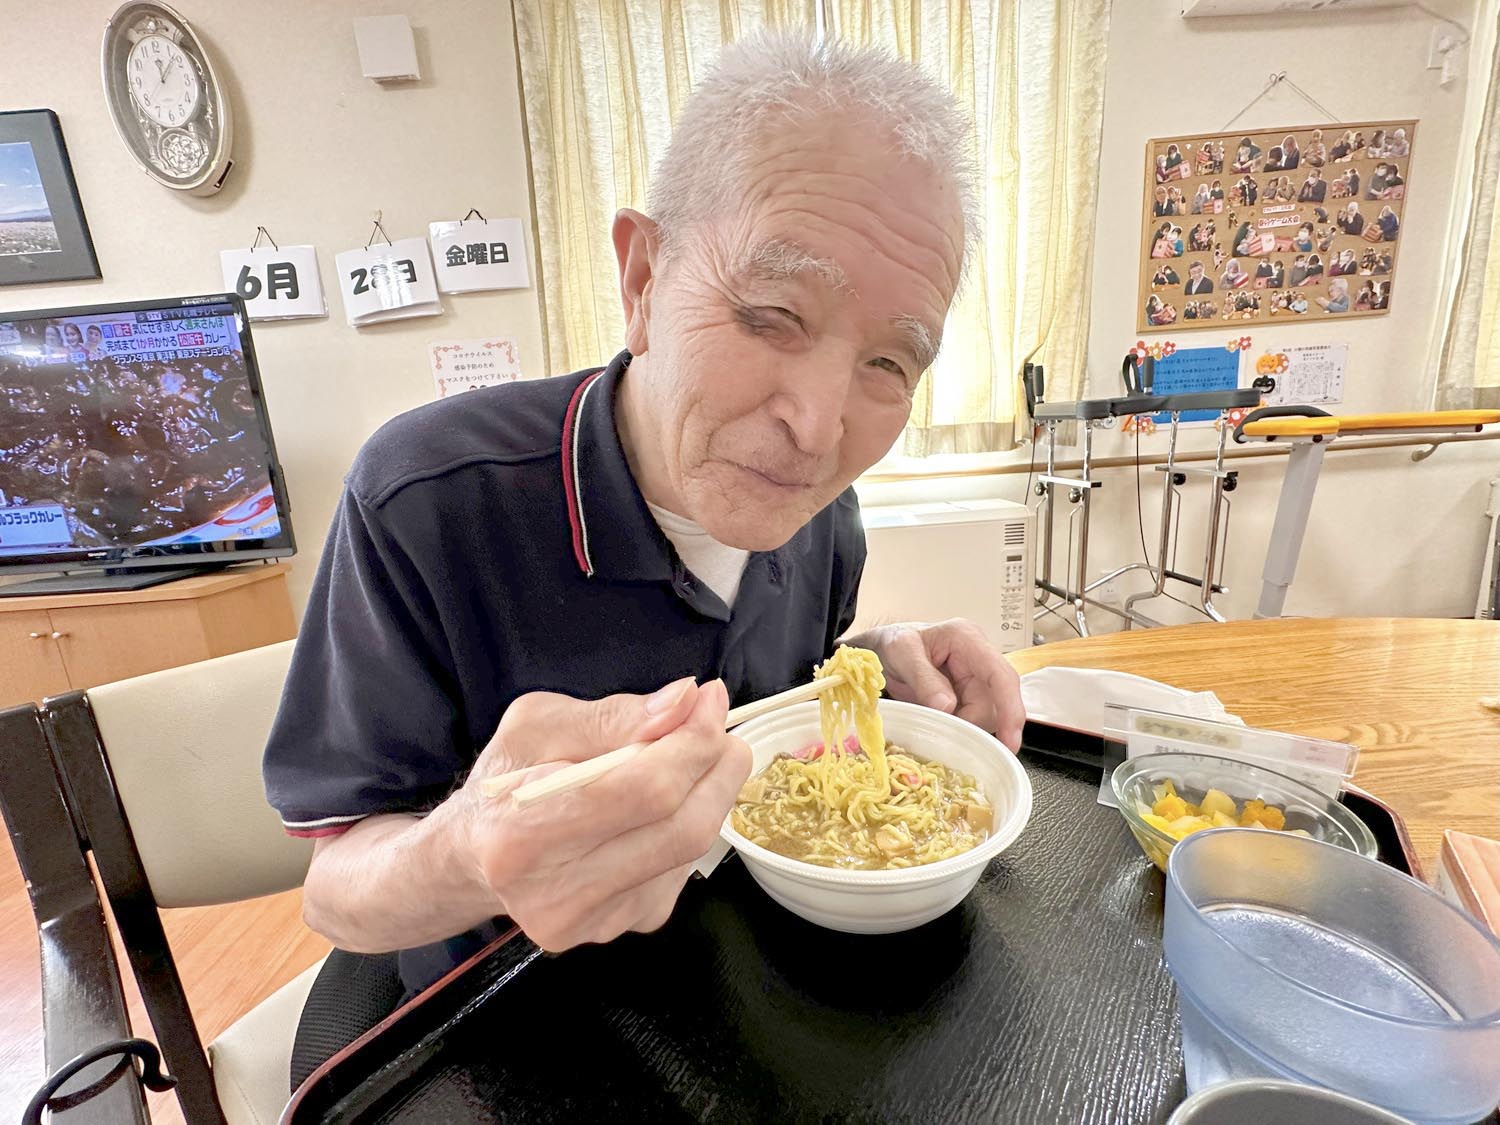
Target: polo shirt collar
(613, 532)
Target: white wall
(318, 149)
(1388, 537)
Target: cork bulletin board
(1276, 226)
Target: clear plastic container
(1193, 775)
(1300, 960)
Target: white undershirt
(717, 566)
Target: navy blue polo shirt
(493, 544)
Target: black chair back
(87, 1045)
(84, 769)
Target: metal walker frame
(1138, 375)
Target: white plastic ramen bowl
(882, 902)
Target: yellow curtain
(601, 82)
(1469, 369)
(1031, 73)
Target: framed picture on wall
(1278, 226)
(43, 233)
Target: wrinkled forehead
(848, 195)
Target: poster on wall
(1277, 226)
(1187, 370)
(1302, 375)
(468, 365)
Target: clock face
(163, 81)
(165, 98)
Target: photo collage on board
(1273, 226)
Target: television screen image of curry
(130, 429)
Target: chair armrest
(125, 1052)
(83, 1003)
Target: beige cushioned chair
(165, 772)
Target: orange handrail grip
(1292, 427)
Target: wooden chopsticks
(580, 774)
(799, 694)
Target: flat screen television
(135, 445)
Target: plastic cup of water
(1299, 960)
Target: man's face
(784, 343)
(1195, 271)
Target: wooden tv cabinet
(53, 643)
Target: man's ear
(637, 249)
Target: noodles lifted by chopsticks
(852, 704)
(869, 807)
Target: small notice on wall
(1195, 369)
(1308, 374)
(276, 283)
(479, 254)
(467, 365)
(1277, 226)
(387, 281)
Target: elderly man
(1196, 282)
(1337, 300)
(535, 574)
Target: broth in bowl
(932, 812)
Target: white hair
(776, 78)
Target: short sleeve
(370, 718)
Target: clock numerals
(164, 82)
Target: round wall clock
(166, 101)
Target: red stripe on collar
(318, 833)
(571, 476)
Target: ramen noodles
(854, 802)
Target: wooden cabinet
(52, 643)
(31, 664)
